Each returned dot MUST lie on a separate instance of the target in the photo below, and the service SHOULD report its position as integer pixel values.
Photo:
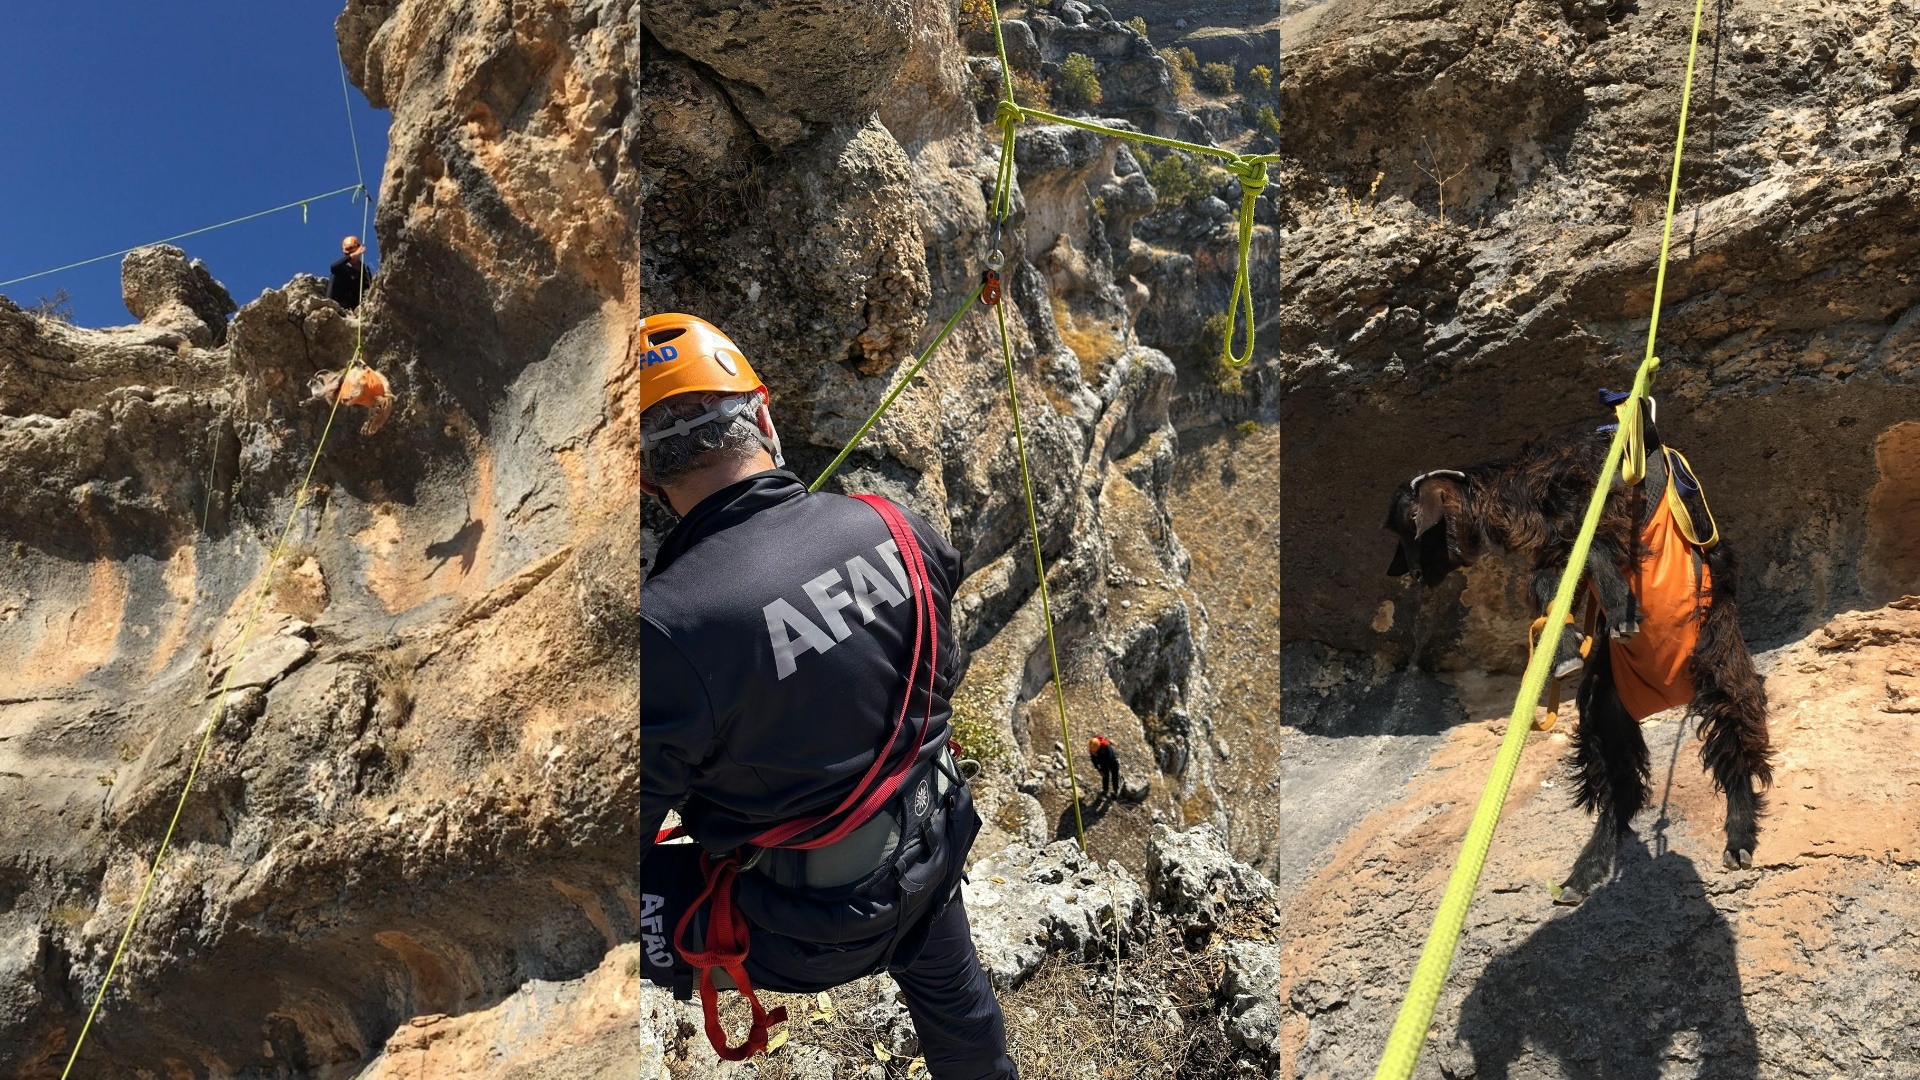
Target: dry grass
(70, 915)
(1094, 342)
(1063, 1023)
(299, 585)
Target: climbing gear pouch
(872, 846)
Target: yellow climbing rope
(1436, 957)
(246, 627)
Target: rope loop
(1252, 174)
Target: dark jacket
(774, 643)
(350, 281)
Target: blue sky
(122, 122)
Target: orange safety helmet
(682, 354)
(1094, 744)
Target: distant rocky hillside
(818, 187)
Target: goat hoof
(1623, 631)
(1737, 860)
(1567, 667)
(1746, 860)
(1569, 896)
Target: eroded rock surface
(1050, 909)
(1802, 966)
(418, 797)
(1432, 335)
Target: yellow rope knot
(1006, 114)
(1251, 172)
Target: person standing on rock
(1108, 762)
(796, 661)
(350, 277)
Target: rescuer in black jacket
(349, 279)
(777, 633)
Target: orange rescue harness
(1671, 585)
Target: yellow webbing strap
(1633, 424)
(1681, 515)
(1409, 1032)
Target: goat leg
(1611, 777)
(1595, 865)
(1566, 657)
(1616, 596)
(380, 410)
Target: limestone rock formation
(162, 288)
(1471, 221)
(1059, 935)
(1786, 332)
(418, 798)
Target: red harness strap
(727, 944)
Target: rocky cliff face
(1463, 329)
(818, 185)
(419, 797)
(1099, 972)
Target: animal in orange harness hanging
(797, 662)
(1662, 587)
(359, 386)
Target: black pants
(962, 1034)
(1109, 766)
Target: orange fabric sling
(1653, 669)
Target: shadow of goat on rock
(1532, 504)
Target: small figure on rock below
(357, 385)
(351, 279)
(1108, 762)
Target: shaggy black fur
(1532, 504)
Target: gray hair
(690, 432)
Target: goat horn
(1415, 484)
